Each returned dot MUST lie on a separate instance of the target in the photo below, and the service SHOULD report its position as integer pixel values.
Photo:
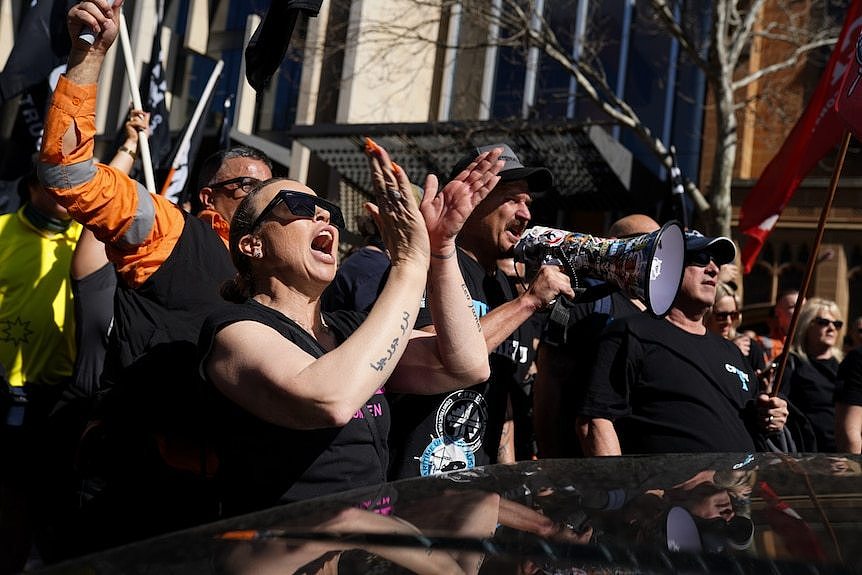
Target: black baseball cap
(538, 179)
(723, 250)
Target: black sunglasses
(725, 315)
(699, 259)
(823, 322)
(302, 205)
(234, 185)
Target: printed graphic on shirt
(743, 377)
(16, 331)
(463, 415)
(480, 307)
(513, 350)
(374, 407)
(444, 454)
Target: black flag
(41, 45)
(153, 91)
(268, 44)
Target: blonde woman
(815, 354)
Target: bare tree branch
(790, 62)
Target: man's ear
(251, 246)
(205, 196)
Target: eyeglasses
(726, 315)
(234, 185)
(302, 205)
(699, 259)
(823, 322)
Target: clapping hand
(446, 210)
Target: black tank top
(262, 464)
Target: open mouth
(516, 229)
(323, 242)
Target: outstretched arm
(550, 283)
(89, 256)
(139, 229)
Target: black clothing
(94, 311)
(850, 379)
(158, 323)
(756, 357)
(668, 390)
(262, 464)
(575, 358)
(461, 429)
(358, 281)
(149, 450)
(811, 386)
(150, 370)
(521, 393)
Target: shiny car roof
(705, 513)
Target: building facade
(430, 79)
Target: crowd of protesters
(216, 382)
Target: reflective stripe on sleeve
(144, 218)
(99, 207)
(66, 176)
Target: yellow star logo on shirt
(15, 332)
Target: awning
(592, 171)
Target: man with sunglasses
(169, 266)
(669, 385)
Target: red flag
(849, 102)
(798, 537)
(816, 133)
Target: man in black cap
(670, 386)
(461, 430)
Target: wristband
(128, 150)
(444, 257)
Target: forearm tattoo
(393, 347)
(504, 451)
(469, 299)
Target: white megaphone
(648, 267)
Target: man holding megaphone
(670, 386)
(461, 430)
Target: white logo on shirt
(743, 377)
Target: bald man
(563, 367)
(632, 225)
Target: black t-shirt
(670, 391)
(358, 281)
(811, 388)
(850, 379)
(461, 429)
(262, 464)
(756, 356)
(573, 360)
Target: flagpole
(193, 122)
(812, 260)
(143, 144)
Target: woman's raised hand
(396, 212)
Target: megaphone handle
(559, 318)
